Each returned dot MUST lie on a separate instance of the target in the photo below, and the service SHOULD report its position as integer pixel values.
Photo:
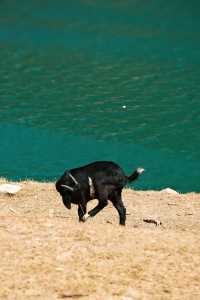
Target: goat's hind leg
(117, 202)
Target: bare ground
(45, 253)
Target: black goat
(102, 180)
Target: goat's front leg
(103, 201)
(82, 209)
(81, 212)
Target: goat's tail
(135, 174)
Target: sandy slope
(45, 253)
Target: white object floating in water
(170, 191)
(8, 188)
(124, 106)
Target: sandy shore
(45, 253)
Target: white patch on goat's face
(85, 217)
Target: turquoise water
(67, 70)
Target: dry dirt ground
(45, 253)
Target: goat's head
(67, 185)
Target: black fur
(108, 181)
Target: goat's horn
(72, 177)
(67, 187)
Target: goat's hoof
(85, 217)
(122, 224)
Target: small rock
(8, 188)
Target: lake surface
(101, 80)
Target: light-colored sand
(45, 253)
